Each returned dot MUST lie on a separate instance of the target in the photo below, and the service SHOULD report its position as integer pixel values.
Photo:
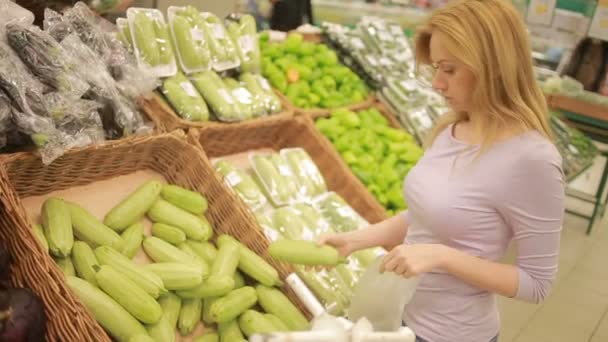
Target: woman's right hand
(343, 242)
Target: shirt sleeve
(533, 206)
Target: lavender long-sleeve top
(513, 191)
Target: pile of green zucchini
(190, 282)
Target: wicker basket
(158, 108)
(169, 155)
(295, 132)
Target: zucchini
(57, 224)
(134, 207)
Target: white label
(189, 89)
(573, 149)
(224, 93)
(197, 34)
(409, 85)
(599, 24)
(233, 179)
(285, 170)
(242, 95)
(264, 83)
(218, 31)
(247, 43)
(541, 12)
(357, 43)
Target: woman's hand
(343, 242)
(411, 260)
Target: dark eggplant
(22, 316)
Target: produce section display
(293, 206)
(69, 85)
(380, 53)
(310, 74)
(218, 63)
(380, 156)
(183, 278)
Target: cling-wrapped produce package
(124, 118)
(45, 58)
(5, 119)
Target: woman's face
(452, 78)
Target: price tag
(247, 43)
(218, 31)
(224, 93)
(242, 95)
(285, 170)
(197, 34)
(385, 36)
(573, 149)
(599, 25)
(264, 83)
(189, 89)
(541, 12)
(309, 167)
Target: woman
(489, 176)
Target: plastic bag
(124, 119)
(10, 11)
(381, 298)
(5, 119)
(340, 215)
(187, 30)
(244, 99)
(46, 59)
(151, 42)
(242, 183)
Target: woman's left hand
(411, 260)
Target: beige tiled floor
(577, 308)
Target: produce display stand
(158, 108)
(593, 120)
(293, 132)
(99, 175)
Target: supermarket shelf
(579, 107)
(350, 12)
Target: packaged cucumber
(151, 41)
(184, 97)
(242, 31)
(261, 90)
(218, 96)
(277, 178)
(187, 30)
(244, 98)
(223, 52)
(242, 183)
(307, 172)
(340, 215)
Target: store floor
(577, 308)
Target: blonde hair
(490, 38)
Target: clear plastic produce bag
(381, 298)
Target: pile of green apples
(309, 74)
(379, 155)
